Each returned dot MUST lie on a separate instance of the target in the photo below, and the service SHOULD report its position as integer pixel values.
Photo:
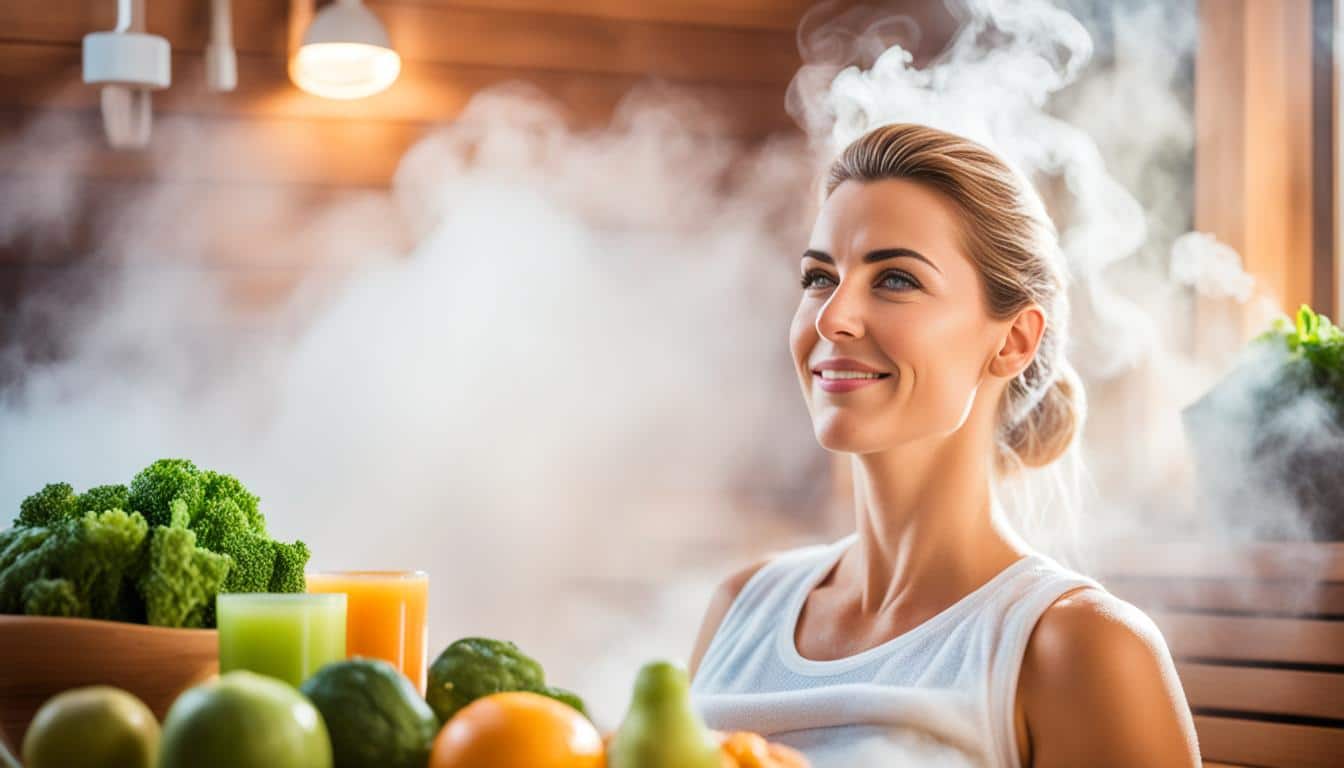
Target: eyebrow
(872, 257)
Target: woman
(929, 343)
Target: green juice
(285, 636)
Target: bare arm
(719, 604)
(1098, 688)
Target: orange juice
(385, 616)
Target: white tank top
(939, 695)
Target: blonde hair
(1014, 246)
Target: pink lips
(845, 385)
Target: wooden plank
(1325, 294)
(1301, 641)
(1263, 691)
(1273, 745)
(1277, 598)
(456, 35)
(331, 152)
(753, 14)
(1305, 561)
(1254, 175)
(49, 76)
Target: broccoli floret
(290, 560)
(253, 561)
(104, 497)
(223, 527)
(220, 487)
(181, 579)
(51, 597)
(94, 553)
(219, 519)
(153, 490)
(50, 505)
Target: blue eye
(811, 277)
(896, 281)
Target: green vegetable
(220, 488)
(661, 730)
(104, 497)
(479, 666)
(93, 553)
(181, 579)
(51, 597)
(229, 523)
(374, 715)
(52, 504)
(1315, 349)
(153, 490)
(290, 560)
(565, 697)
(158, 550)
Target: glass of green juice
(286, 636)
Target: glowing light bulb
(345, 54)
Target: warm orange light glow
(345, 70)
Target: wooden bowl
(41, 656)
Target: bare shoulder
(719, 603)
(1098, 687)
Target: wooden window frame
(1265, 176)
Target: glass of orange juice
(385, 616)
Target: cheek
(803, 335)
(938, 354)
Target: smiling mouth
(830, 375)
(839, 382)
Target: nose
(841, 317)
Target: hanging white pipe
(123, 16)
(221, 61)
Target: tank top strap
(761, 603)
(1042, 585)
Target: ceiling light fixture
(345, 53)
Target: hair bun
(1045, 432)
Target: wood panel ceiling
(735, 57)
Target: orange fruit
(518, 730)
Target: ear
(1019, 344)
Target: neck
(927, 524)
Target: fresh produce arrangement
(182, 546)
(364, 713)
(155, 552)
(1315, 348)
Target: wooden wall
(738, 56)
(1265, 157)
(269, 139)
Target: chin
(843, 435)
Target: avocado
(375, 716)
(660, 729)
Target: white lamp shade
(345, 54)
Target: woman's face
(890, 295)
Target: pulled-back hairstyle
(1014, 246)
